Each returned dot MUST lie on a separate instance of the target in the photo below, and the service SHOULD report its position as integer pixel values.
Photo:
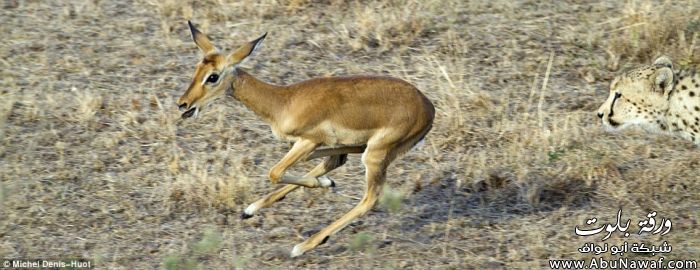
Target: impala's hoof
(324, 240)
(250, 211)
(285, 196)
(333, 188)
(325, 181)
(296, 251)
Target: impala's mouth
(189, 113)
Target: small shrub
(362, 242)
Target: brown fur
(381, 117)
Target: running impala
(331, 117)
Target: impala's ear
(201, 40)
(237, 57)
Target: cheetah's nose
(600, 115)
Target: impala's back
(350, 110)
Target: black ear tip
(260, 39)
(192, 28)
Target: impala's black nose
(600, 115)
(182, 106)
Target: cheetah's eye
(617, 95)
(213, 78)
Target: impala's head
(214, 74)
(639, 96)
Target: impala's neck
(264, 99)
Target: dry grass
(95, 163)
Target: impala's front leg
(326, 166)
(300, 150)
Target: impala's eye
(213, 78)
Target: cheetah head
(639, 97)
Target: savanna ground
(95, 162)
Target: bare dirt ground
(95, 162)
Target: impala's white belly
(335, 134)
(329, 134)
(283, 136)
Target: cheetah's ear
(663, 83)
(663, 61)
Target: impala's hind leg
(375, 162)
(325, 152)
(329, 164)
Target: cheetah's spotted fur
(657, 98)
